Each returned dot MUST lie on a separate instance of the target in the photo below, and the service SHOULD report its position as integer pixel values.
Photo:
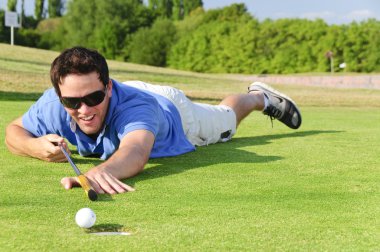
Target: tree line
(181, 34)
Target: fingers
(51, 144)
(58, 141)
(57, 159)
(55, 138)
(104, 182)
(69, 182)
(65, 146)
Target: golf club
(83, 181)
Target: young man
(125, 124)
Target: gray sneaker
(280, 106)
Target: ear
(109, 88)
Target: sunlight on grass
(269, 189)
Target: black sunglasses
(90, 100)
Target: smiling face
(89, 119)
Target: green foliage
(220, 44)
(174, 9)
(4, 31)
(51, 31)
(229, 13)
(27, 37)
(108, 31)
(38, 9)
(361, 45)
(162, 8)
(177, 10)
(230, 40)
(29, 22)
(225, 40)
(11, 4)
(288, 45)
(107, 39)
(151, 45)
(190, 5)
(55, 8)
(190, 22)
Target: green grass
(314, 189)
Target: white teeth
(88, 118)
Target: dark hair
(78, 60)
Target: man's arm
(127, 161)
(19, 141)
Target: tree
(51, 33)
(174, 9)
(190, 5)
(38, 9)
(4, 31)
(371, 50)
(220, 43)
(151, 45)
(107, 22)
(55, 8)
(22, 12)
(12, 5)
(106, 39)
(177, 13)
(163, 8)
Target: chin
(90, 131)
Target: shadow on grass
(106, 228)
(227, 153)
(105, 197)
(19, 96)
(204, 99)
(221, 153)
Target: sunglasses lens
(94, 99)
(71, 102)
(90, 100)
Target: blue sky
(332, 11)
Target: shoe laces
(273, 113)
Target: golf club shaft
(77, 171)
(83, 181)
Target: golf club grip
(85, 184)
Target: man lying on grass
(125, 124)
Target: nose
(83, 109)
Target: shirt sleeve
(39, 120)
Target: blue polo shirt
(129, 109)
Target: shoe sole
(273, 91)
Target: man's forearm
(18, 140)
(105, 178)
(126, 162)
(131, 157)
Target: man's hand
(21, 142)
(101, 180)
(48, 148)
(126, 162)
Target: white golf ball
(85, 218)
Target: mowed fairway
(313, 189)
